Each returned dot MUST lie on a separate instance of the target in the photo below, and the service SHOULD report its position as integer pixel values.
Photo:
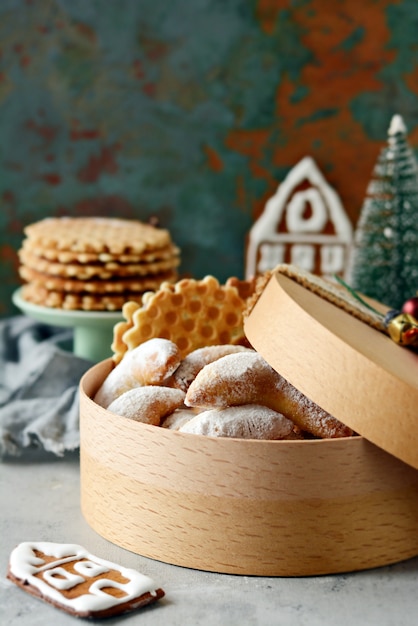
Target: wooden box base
(268, 508)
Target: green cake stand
(93, 330)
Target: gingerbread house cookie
(304, 224)
(72, 579)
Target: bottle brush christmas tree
(384, 258)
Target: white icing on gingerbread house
(304, 224)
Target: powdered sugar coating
(230, 380)
(179, 417)
(149, 404)
(196, 360)
(250, 421)
(148, 364)
(246, 378)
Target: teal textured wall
(192, 111)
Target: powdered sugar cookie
(251, 421)
(180, 416)
(196, 360)
(148, 404)
(148, 364)
(246, 378)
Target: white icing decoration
(332, 259)
(270, 256)
(61, 579)
(96, 587)
(90, 569)
(24, 565)
(296, 207)
(303, 256)
(325, 206)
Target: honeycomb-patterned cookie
(118, 346)
(191, 313)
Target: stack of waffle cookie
(94, 263)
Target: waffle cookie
(98, 269)
(94, 263)
(191, 313)
(79, 583)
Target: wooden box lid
(356, 373)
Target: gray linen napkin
(38, 387)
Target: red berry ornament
(411, 307)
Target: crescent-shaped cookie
(196, 360)
(148, 364)
(246, 378)
(250, 421)
(148, 404)
(180, 416)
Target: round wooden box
(269, 508)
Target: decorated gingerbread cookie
(72, 579)
(303, 223)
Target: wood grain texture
(285, 508)
(354, 372)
